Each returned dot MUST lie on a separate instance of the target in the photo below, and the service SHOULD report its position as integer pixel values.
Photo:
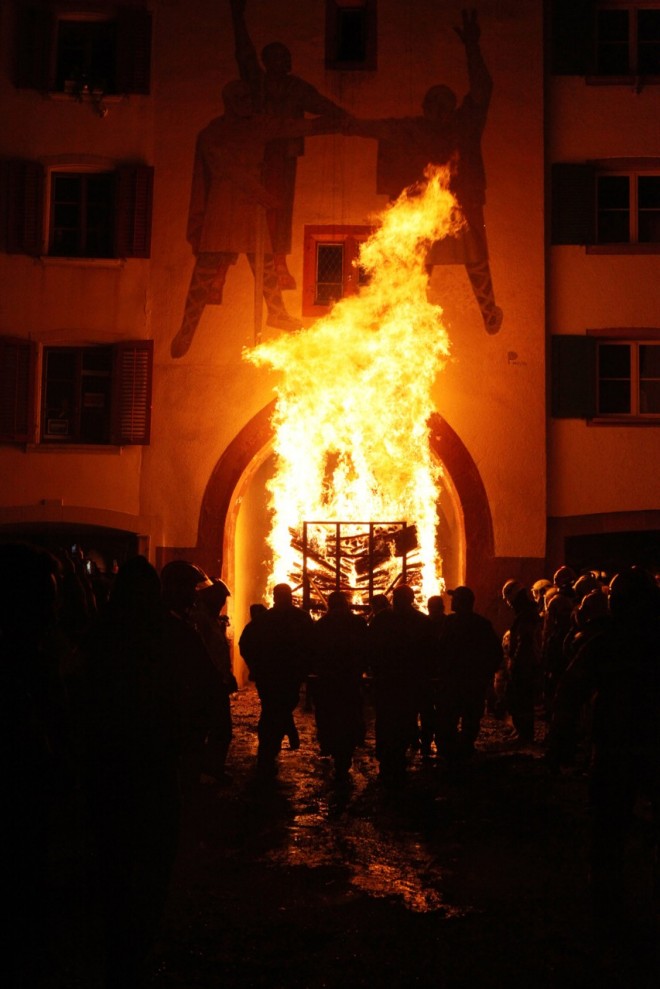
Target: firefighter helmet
(564, 577)
(180, 581)
(539, 587)
(511, 590)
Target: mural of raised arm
(279, 93)
(446, 133)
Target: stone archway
(248, 451)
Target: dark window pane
(60, 364)
(612, 47)
(649, 227)
(648, 190)
(613, 209)
(649, 397)
(649, 360)
(613, 192)
(97, 359)
(613, 228)
(614, 360)
(329, 273)
(352, 35)
(648, 39)
(614, 397)
(648, 194)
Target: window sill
(622, 248)
(635, 83)
(50, 261)
(106, 449)
(624, 421)
(110, 99)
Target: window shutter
(572, 37)
(131, 392)
(573, 377)
(35, 45)
(17, 390)
(134, 199)
(23, 197)
(133, 50)
(573, 219)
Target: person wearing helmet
(556, 626)
(180, 581)
(277, 647)
(402, 645)
(207, 699)
(523, 661)
(619, 671)
(539, 589)
(470, 654)
(206, 617)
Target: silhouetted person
(556, 626)
(619, 669)
(470, 653)
(206, 716)
(212, 626)
(400, 641)
(339, 663)
(31, 759)
(523, 659)
(446, 134)
(277, 648)
(428, 699)
(149, 697)
(133, 693)
(278, 93)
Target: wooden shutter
(133, 218)
(573, 218)
(17, 390)
(573, 377)
(133, 50)
(131, 392)
(35, 47)
(23, 199)
(571, 37)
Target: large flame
(354, 396)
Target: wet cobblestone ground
(471, 879)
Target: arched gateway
(464, 509)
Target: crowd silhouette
(121, 691)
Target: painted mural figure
(227, 200)
(446, 133)
(278, 93)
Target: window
(627, 40)
(611, 206)
(607, 377)
(330, 267)
(79, 48)
(81, 215)
(628, 209)
(607, 40)
(629, 379)
(78, 211)
(97, 395)
(350, 34)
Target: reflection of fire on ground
(354, 397)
